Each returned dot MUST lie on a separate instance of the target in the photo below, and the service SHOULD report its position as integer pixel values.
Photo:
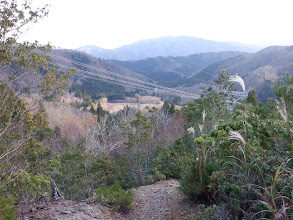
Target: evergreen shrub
(7, 209)
(115, 196)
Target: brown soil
(160, 201)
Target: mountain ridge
(166, 46)
(166, 69)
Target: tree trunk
(56, 194)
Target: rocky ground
(160, 201)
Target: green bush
(115, 196)
(193, 187)
(172, 162)
(79, 173)
(7, 209)
(28, 186)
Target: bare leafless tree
(106, 135)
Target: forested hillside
(260, 70)
(89, 82)
(172, 71)
(98, 78)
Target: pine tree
(172, 109)
(100, 112)
(252, 98)
(92, 110)
(166, 106)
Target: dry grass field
(139, 102)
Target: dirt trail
(160, 201)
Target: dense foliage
(96, 89)
(243, 162)
(24, 161)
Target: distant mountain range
(260, 70)
(165, 46)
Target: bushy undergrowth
(243, 163)
(172, 162)
(7, 209)
(194, 186)
(80, 173)
(115, 196)
(248, 173)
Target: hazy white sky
(113, 23)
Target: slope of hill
(92, 61)
(86, 86)
(259, 70)
(166, 46)
(171, 71)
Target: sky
(113, 23)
